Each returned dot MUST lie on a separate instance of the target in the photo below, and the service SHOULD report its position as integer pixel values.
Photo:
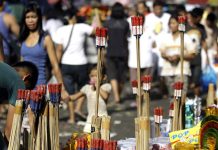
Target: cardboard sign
(190, 135)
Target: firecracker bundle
(55, 96)
(35, 104)
(14, 142)
(83, 142)
(97, 121)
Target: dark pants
(3, 145)
(116, 68)
(74, 75)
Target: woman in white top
(71, 54)
(147, 42)
(170, 51)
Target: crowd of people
(60, 43)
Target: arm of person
(104, 94)
(9, 121)
(55, 66)
(189, 56)
(1, 50)
(12, 24)
(76, 96)
(190, 49)
(59, 52)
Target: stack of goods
(98, 144)
(160, 143)
(197, 110)
(39, 118)
(14, 143)
(72, 142)
(84, 142)
(192, 112)
(127, 144)
(189, 113)
(183, 145)
(209, 129)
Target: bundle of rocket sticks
(35, 102)
(14, 142)
(101, 42)
(99, 144)
(142, 122)
(55, 96)
(178, 86)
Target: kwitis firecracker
(101, 37)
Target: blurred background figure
(71, 55)
(211, 41)
(170, 51)
(142, 8)
(117, 50)
(198, 34)
(9, 29)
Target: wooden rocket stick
(139, 76)
(98, 81)
(182, 31)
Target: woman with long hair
(36, 45)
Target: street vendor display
(44, 128)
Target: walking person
(37, 46)
(71, 56)
(117, 50)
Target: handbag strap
(68, 43)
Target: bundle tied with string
(178, 86)
(141, 122)
(55, 96)
(14, 142)
(101, 42)
(26, 134)
(105, 127)
(36, 102)
(41, 138)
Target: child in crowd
(89, 91)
